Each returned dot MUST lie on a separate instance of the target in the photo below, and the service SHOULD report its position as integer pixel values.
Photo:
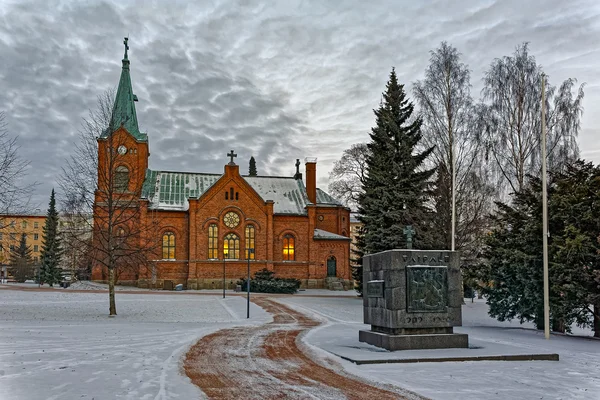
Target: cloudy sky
(279, 80)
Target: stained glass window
(231, 246)
(250, 241)
(168, 246)
(288, 248)
(213, 241)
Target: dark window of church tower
(237, 196)
(213, 241)
(231, 193)
(168, 246)
(121, 179)
(250, 241)
(226, 195)
(288, 248)
(231, 246)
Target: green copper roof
(123, 113)
(167, 190)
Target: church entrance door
(331, 266)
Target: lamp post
(250, 251)
(224, 257)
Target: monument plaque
(375, 288)
(427, 288)
(421, 300)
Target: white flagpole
(545, 215)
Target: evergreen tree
(252, 169)
(513, 272)
(514, 269)
(51, 251)
(357, 259)
(397, 186)
(21, 264)
(575, 267)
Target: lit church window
(231, 246)
(250, 241)
(213, 241)
(288, 248)
(168, 246)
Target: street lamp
(224, 257)
(250, 251)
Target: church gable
(231, 187)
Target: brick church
(208, 222)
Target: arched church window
(213, 241)
(231, 193)
(168, 246)
(121, 179)
(237, 195)
(289, 253)
(250, 232)
(226, 195)
(231, 246)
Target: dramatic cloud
(277, 80)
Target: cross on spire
(126, 47)
(409, 232)
(232, 155)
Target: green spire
(124, 108)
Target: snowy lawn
(575, 376)
(62, 345)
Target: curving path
(265, 362)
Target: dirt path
(265, 362)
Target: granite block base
(414, 342)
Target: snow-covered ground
(61, 345)
(575, 376)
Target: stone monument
(412, 300)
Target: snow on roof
(321, 234)
(171, 190)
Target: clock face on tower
(122, 149)
(231, 219)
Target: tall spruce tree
(51, 251)
(252, 168)
(21, 264)
(397, 185)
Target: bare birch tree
(447, 109)
(15, 193)
(511, 119)
(348, 175)
(95, 182)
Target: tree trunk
(597, 320)
(558, 325)
(111, 292)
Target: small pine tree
(21, 265)
(51, 251)
(252, 169)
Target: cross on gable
(232, 155)
(409, 232)
(297, 165)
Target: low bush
(265, 282)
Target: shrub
(265, 282)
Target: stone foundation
(200, 284)
(414, 342)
